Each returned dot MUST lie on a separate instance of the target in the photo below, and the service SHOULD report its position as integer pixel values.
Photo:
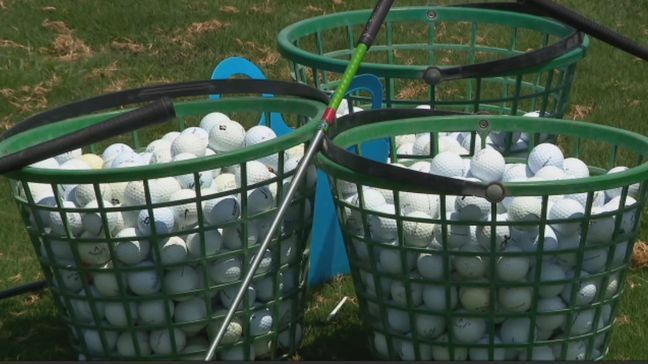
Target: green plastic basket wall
(407, 315)
(66, 258)
(413, 38)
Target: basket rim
(295, 31)
(589, 131)
(312, 108)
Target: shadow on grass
(30, 329)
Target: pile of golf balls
(152, 267)
(413, 268)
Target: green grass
(609, 89)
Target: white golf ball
(575, 168)
(539, 353)
(487, 165)
(226, 270)
(82, 307)
(549, 273)
(162, 343)
(436, 299)
(586, 290)
(227, 296)
(226, 136)
(117, 312)
(144, 282)
(472, 208)
(85, 193)
(481, 354)
(211, 244)
(260, 322)
(515, 330)
(184, 214)
(233, 331)
(191, 310)
(69, 155)
(444, 353)
(95, 344)
(164, 221)
(70, 279)
(73, 220)
(512, 268)
(633, 190)
(515, 299)
(114, 150)
(545, 154)
(126, 347)
(475, 299)
(212, 119)
(160, 150)
(407, 350)
(106, 281)
(93, 221)
(502, 236)
(430, 266)
(131, 251)
(550, 322)
(180, 280)
(516, 171)
(525, 209)
(152, 312)
(468, 329)
(383, 229)
(417, 234)
(189, 143)
(172, 250)
(566, 208)
(471, 266)
(398, 320)
(399, 293)
(93, 253)
(205, 178)
(233, 236)
(447, 164)
(221, 210)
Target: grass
(54, 52)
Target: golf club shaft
(371, 29)
(580, 22)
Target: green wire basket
(480, 57)
(428, 297)
(135, 314)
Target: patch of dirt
(262, 9)
(622, 320)
(48, 8)
(229, 9)
(116, 85)
(67, 47)
(184, 37)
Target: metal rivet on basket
(495, 192)
(431, 14)
(483, 124)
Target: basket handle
(407, 178)
(171, 90)
(433, 75)
(160, 110)
(154, 113)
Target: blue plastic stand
(328, 257)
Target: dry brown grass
(265, 56)
(103, 72)
(229, 9)
(206, 26)
(128, 45)
(265, 8)
(67, 47)
(313, 9)
(7, 43)
(30, 98)
(579, 112)
(56, 26)
(411, 90)
(2, 5)
(48, 8)
(639, 255)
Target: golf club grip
(407, 179)
(375, 21)
(580, 22)
(156, 112)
